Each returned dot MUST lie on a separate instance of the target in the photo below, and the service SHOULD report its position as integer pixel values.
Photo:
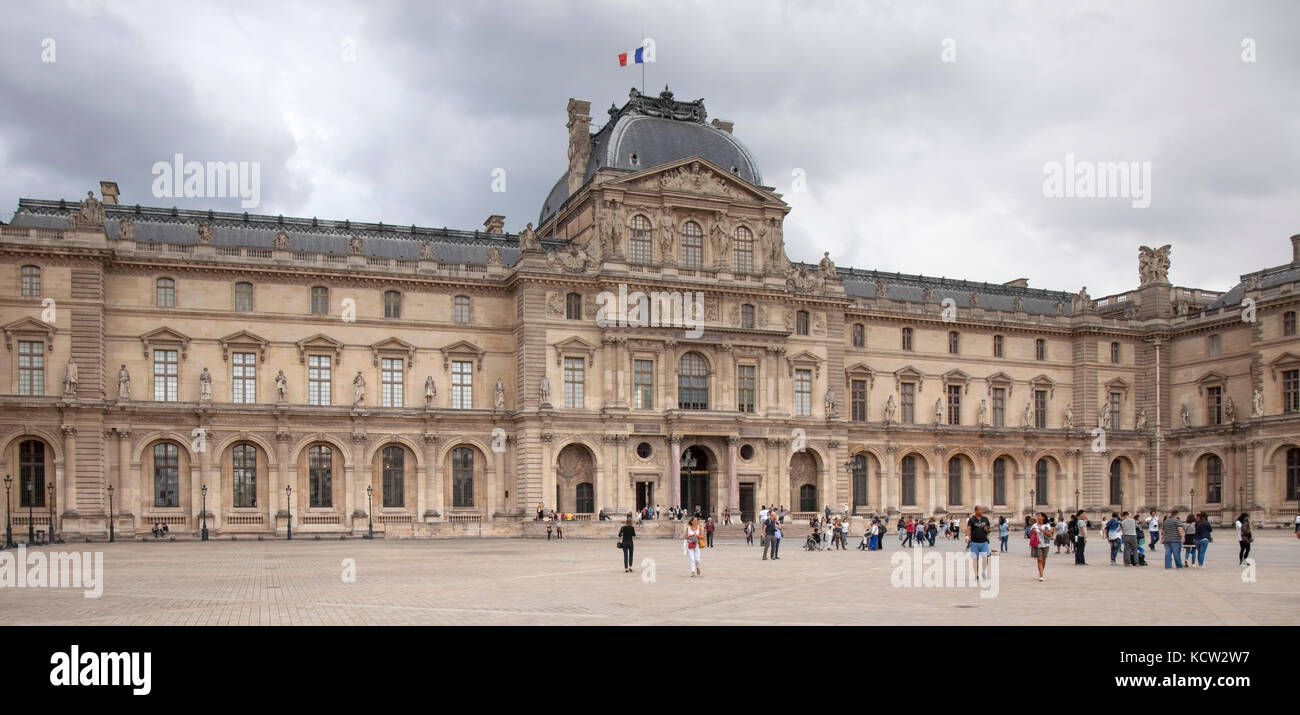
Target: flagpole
(643, 62)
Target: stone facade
(443, 382)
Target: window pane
(320, 300)
(244, 377)
(165, 376)
(745, 387)
(803, 392)
(858, 400)
(692, 240)
(392, 304)
(394, 478)
(31, 368)
(31, 474)
(392, 382)
(462, 385)
(462, 477)
(642, 384)
(166, 293)
(243, 296)
(573, 382)
(460, 309)
(31, 281)
(244, 475)
(321, 476)
(744, 248)
(908, 403)
(954, 407)
(166, 475)
(639, 249)
(692, 383)
(318, 380)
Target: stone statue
(890, 408)
(430, 392)
(1229, 411)
(494, 256)
(1142, 418)
(358, 389)
(981, 414)
(123, 384)
(205, 386)
(545, 388)
(1186, 417)
(1257, 404)
(667, 234)
(499, 396)
(89, 216)
(426, 251)
(1069, 416)
(826, 267)
(973, 299)
(281, 241)
(70, 378)
(1103, 416)
(355, 244)
(281, 386)
(721, 243)
(882, 289)
(205, 234)
(126, 230)
(1028, 420)
(1153, 264)
(528, 240)
(938, 410)
(830, 402)
(1082, 301)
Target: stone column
(69, 487)
(675, 471)
(496, 482)
(548, 471)
(434, 499)
(622, 487)
(129, 488)
(620, 372)
(278, 479)
(733, 486)
(783, 475)
(888, 479)
(607, 397)
(197, 472)
(214, 490)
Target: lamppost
(111, 536)
(370, 511)
(288, 510)
(1076, 501)
(31, 499)
(1032, 503)
(53, 516)
(203, 513)
(9, 527)
(1241, 498)
(688, 471)
(1192, 495)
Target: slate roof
(1269, 277)
(991, 296)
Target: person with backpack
(1080, 523)
(1204, 534)
(977, 540)
(1244, 538)
(1004, 533)
(1128, 530)
(1040, 538)
(749, 533)
(1113, 536)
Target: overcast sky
(912, 163)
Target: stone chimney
(724, 125)
(109, 191)
(1295, 248)
(494, 224)
(579, 127)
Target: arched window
(954, 341)
(1213, 480)
(1000, 480)
(639, 247)
(1040, 482)
(320, 476)
(166, 475)
(859, 480)
(1292, 474)
(859, 335)
(573, 306)
(747, 317)
(460, 309)
(954, 481)
(1116, 482)
(244, 475)
(801, 322)
(394, 466)
(907, 339)
(320, 300)
(1040, 349)
(744, 248)
(997, 345)
(392, 304)
(243, 297)
(692, 245)
(807, 498)
(586, 498)
(692, 383)
(31, 281)
(462, 477)
(165, 293)
(1114, 353)
(907, 495)
(31, 473)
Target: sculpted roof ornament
(281, 241)
(1153, 264)
(664, 106)
(89, 216)
(355, 245)
(205, 234)
(801, 281)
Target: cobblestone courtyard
(581, 582)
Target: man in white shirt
(1153, 526)
(762, 515)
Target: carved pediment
(1285, 361)
(1000, 379)
(908, 373)
(1043, 382)
(165, 337)
(319, 342)
(1210, 379)
(695, 174)
(1118, 384)
(803, 357)
(30, 327)
(244, 339)
(462, 349)
(575, 345)
(859, 371)
(392, 346)
(957, 377)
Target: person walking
(626, 536)
(911, 531)
(1244, 538)
(1128, 530)
(1189, 540)
(1172, 533)
(1081, 525)
(776, 541)
(977, 540)
(931, 530)
(692, 544)
(1004, 533)
(726, 516)
(826, 534)
(769, 538)
(708, 530)
(1204, 534)
(749, 533)
(1062, 534)
(1040, 539)
(1153, 526)
(550, 526)
(1113, 536)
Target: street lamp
(288, 510)
(111, 536)
(1032, 503)
(1076, 500)
(370, 511)
(688, 468)
(203, 512)
(9, 527)
(31, 499)
(53, 517)
(1192, 495)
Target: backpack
(1073, 528)
(1033, 537)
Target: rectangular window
(1288, 323)
(997, 349)
(1040, 409)
(243, 296)
(1114, 353)
(744, 251)
(1216, 343)
(1290, 391)
(460, 309)
(1213, 405)
(462, 385)
(954, 342)
(1040, 349)
(954, 404)
(858, 400)
(392, 381)
(907, 339)
(643, 384)
(908, 406)
(745, 388)
(318, 380)
(573, 382)
(1116, 403)
(999, 407)
(243, 378)
(803, 392)
(31, 367)
(31, 281)
(320, 301)
(164, 376)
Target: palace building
(249, 371)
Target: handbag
(619, 544)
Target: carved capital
(674, 438)
(68, 430)
(432, 439)
(547, 437)
(732, 439)
(833, 444)
(360, 436)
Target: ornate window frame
(165, 338)
(29, 329)
(243, 339)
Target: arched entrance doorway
(695, 466)
(575, 478)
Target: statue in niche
(358, 389)
(123, 384)
(890, 408)
(205, 386)
(70, 378)
(281, 386)
(430, 392)
(499, 396)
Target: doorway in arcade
(695, 467)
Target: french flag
(636, 56)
